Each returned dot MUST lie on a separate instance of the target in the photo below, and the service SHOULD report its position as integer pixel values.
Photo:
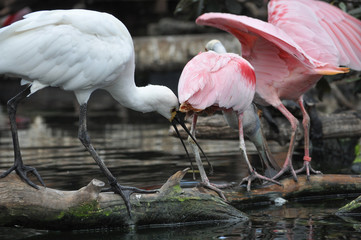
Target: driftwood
(338, 125)
(89, 208)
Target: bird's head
(216, 46)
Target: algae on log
(89, 208)
(351, 209)
(351, 213)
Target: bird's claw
(125, 192)
(308, 169)
(286, 169)
(216, 188)
(254, 175)
(22, 171)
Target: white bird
(79, 51)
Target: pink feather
(212, 79)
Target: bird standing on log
(79, 51)
(302, 41)
(218, 81)
(252, 126)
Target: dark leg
(123, 191)
(19, 166)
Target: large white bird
(79, 51)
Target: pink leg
(287, 166)
(253, 174)
(204, 179)
(306, 126)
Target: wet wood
(88, 208)
(338, 125)
(318, 187)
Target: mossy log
(351, 212)
(89, 208)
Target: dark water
(140, 153)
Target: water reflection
(140, 153)
(136, 153)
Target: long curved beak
(179, 118)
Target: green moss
(177, 189)
(353, 206)
(83, 210)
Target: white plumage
(79, 51)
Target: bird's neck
(133, 97)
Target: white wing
(72, 49)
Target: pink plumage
(218, 81)
(211, 79)
(302, 40)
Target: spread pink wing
(270, 50)
(323, 31)
(224, 80)
(248, 30)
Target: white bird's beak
(179, 118)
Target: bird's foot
(286, 168)
(308, 169)
(254, 175)
(125, 192)
(216, 188)
(22, 171)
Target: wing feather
(248, 30)
(72, 49)
(224, 80)
(324, 31)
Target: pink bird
(302, 40)
(211, 82)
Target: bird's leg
(287, 166)
(253, 174)
(123, 191)
(306, 126)
(205, 181)
(19, 166)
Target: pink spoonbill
(79, 51)
(252, 126)
(218, 81)
(302, 41)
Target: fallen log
(338, 125)
(318, 187)
(88, 208)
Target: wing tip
(332, 71)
